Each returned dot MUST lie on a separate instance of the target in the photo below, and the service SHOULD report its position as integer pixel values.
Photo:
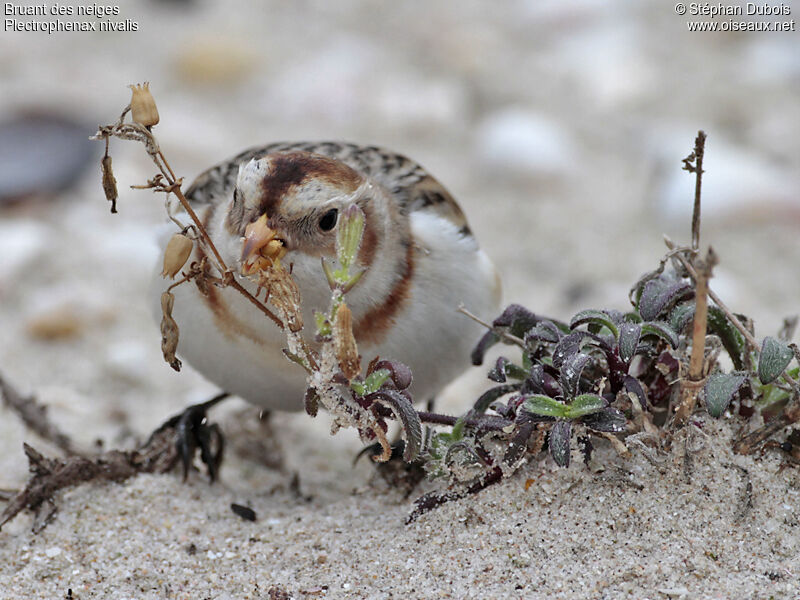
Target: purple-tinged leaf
(505, 368)
(519, 441)
(775, 357)
(720, 389)
(609, 420)
(570, 345)
(570, 376)
(662, 330)
(492, 394)
(667, 363)
(629, 334)
(517, 318)
(681, 316)
(401, 375)
(633, 386)
(594, 317)
(400, 404)
(660, 295)
(585, 404)
(488, 340)
(560, 435)
(543, 331)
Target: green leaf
(583, 405)
(545, 406)
(348, 237)
(733, 341)
(660, 294)
(376, 379)
(358, 387)
(775, 357)
(681, 316)
(595, 317)
(719, 391)
(323, 324)
(629, 334)
(661, 330)
(560, 442)
(505, 368)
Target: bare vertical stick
(696, 157)
(691, 385)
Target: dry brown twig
(34, 415)
(50, 475)
(698, 368)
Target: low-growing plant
(601, 376)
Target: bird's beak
(262, 248)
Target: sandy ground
(560, 129)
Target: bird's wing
(413, 187)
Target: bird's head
(290, 203)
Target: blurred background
(559, 126)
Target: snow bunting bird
(420, 256)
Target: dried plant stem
(502, 334)
(691, 385)
(697, 169)
(34, 415)
(735, 321)
(51, 475)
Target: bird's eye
(328, 220)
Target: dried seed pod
(169, 331)
(143, 106)
(109, 182)
(284, 295)
(176, 254)
(345, 343)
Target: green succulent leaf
(660, 294)
(323, 324)
(681, 316)
(732, 340)
(775, 357)
(661, 330)
(505, 368)
(376, 379)
(594, 317)
(720, 389)
(585, 404)
(545, 406)
(560, 442)
(629, 334)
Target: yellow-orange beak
(262, 247)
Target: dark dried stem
(697, 169)
(34, 415)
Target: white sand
(611, 88)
